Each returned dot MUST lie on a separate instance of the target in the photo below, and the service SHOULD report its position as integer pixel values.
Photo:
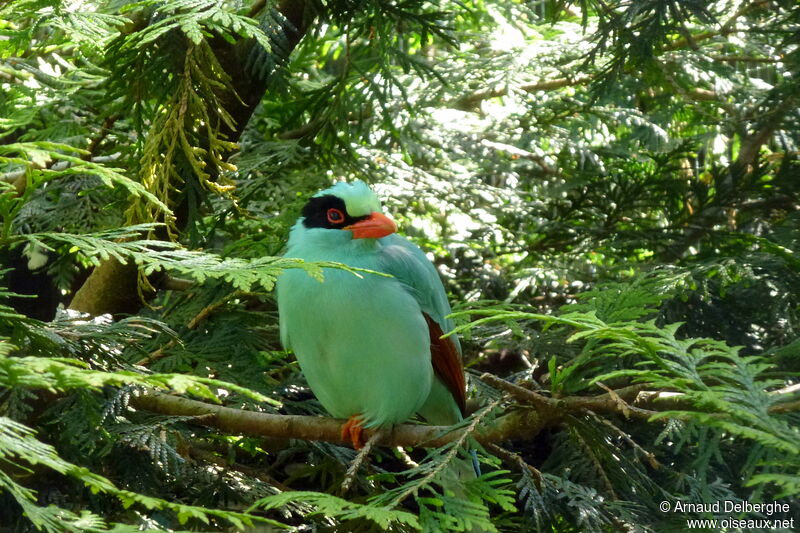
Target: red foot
(352, 431)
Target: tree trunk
(112, 287)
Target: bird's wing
(408, 264)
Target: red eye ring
(335, 216)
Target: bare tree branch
(518, 423)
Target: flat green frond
(18, 443)
(332, 506)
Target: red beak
(376, 226)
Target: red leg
(353, 431)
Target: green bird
(370, 347)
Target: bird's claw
(353, 431)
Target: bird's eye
(335, 216)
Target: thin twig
(597, 465)
(784, 407)
(193, 323)
(105, 129)
(623, 407)
(211, 457)
(172, 283)
(407, 460)
(469, 101)
(514, 459)
(451, 454)
(350, 476)
(520, 393)
(651, 458)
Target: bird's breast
(361, 341)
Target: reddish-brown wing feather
(447, 363)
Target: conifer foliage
(609, 190)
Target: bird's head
(350, 209)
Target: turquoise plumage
(369, 347)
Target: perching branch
(521, 423)
(518, 423)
